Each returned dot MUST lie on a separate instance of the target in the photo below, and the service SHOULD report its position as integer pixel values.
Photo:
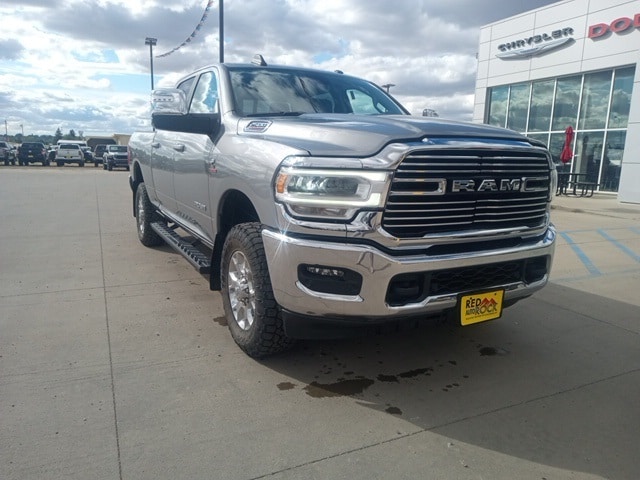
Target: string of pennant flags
(194, 33)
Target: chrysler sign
(535, 44)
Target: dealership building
(574, 64)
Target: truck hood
(361, 135)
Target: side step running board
(195, 257)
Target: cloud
(83, 64)
(10, 49)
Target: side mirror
(205, 123)
(169, 101)
(169, 112)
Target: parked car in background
(30, 152)
(88, 154)
(7, 153)
(69, 153)
(98, 154)
(116, 156)
(51, 153)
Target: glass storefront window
(595, 100)
(541, 102)
(588, 154)
(595, 104)
(565, 111)
(621, 100)
(498, 106)
(518, 107)
(612, 160)
(556, 144)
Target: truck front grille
(457, 190)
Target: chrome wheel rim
(242, 294)
(141, 216)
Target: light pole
(221, 30)
(151, 42)
(387, 86)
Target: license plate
(480, 307)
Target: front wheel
(145, 215)
(253, 315)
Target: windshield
(260, 91)
(118, 148)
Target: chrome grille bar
(418, 205)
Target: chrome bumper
(377, 268)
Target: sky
(84, 65)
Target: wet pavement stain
(286, 386)
(393, 410)
(387, 378)
(416, 372)
(222, 321)
(342, 388)
(491, 351)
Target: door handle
(155, 145)
(178, 147)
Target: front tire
(145, 215)
(253, 315)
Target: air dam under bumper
(378, 270)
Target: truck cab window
(186, 86)
(205, 97)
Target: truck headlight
(329, 194)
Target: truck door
(163, 150)
(162, 154)
(194, 158)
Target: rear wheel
(145, 215)
(59, 164)
(253, 315)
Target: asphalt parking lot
(116, 363)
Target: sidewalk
(600, 204)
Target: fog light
(325, 271)
(327, 279)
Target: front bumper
(379, 270)
(118, 162)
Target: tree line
(46, 139)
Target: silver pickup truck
(319, 207)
